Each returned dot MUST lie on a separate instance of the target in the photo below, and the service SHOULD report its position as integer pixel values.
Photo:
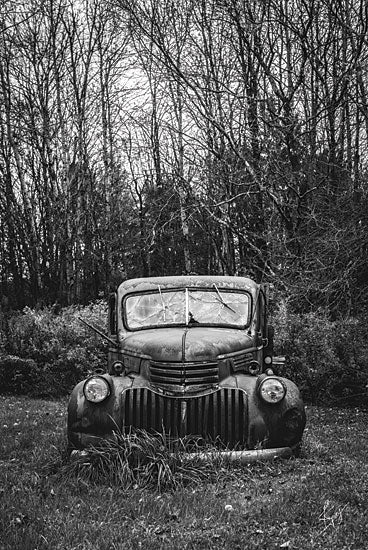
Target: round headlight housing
(96, 389)
(272, 390)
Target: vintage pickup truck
(190, 356)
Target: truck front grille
(183, 374)
(221, 416)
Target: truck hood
(186, 344)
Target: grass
(317, 501)
(141, 461)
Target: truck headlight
(96, 389)
(272, 390)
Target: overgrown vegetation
(316, 501)
(327, 359)
(142, 460)
(45, 352)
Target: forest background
(159, 137)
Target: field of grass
(317, 501)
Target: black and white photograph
(183, 274)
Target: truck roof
(222, 281)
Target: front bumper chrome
(237, 457)
(241, 457)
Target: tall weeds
(144, 460)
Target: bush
(48, 352)
(46, 336)
(328, 360)
(17, 375)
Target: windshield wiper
(222, 300)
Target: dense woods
(164, 137)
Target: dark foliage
(46, 353)
(327, 359)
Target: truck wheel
(297, 449)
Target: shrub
(46, 336)
(55, 349)
(328, 360)
(18, 376)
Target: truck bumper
(238, 457)
(242, 457)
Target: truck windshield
(187, 307)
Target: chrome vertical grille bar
(223, 401)
(159, 418)
(236, 425)
(144, 405)
(230, 419)
(200, 428)
(213, 412)
(204, 420)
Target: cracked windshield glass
(188, 307)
